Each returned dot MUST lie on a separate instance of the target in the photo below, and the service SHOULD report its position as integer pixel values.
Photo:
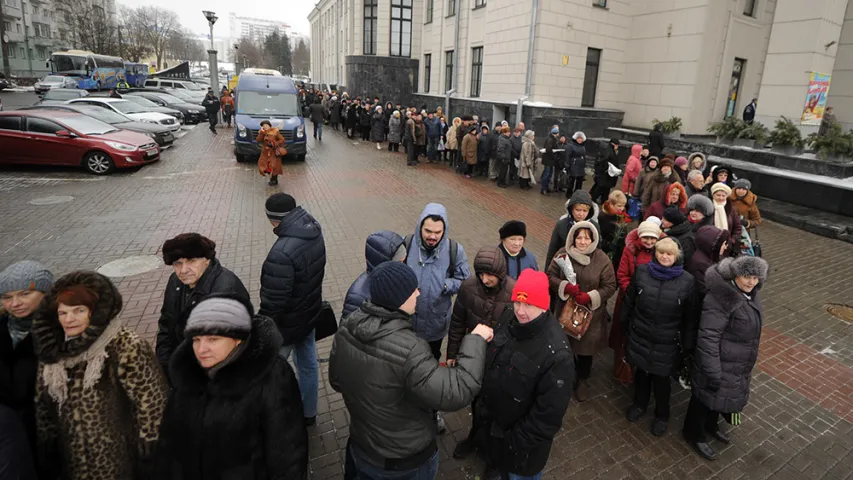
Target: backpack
(454, 251)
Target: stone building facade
(700, 60)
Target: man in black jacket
(197, 274)
(292, 289)
(318, 117)
(22, 287)
(211, 106)
(527, 384)
(550, 160)
(603, 182)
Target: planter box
(675, 135)
(786, 150)
(833, 157)
(744, 142)
(724, 141)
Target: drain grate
(844, 312)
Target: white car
(132, 110)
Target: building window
(427, 70)
(479, 3)
(18, 27)
(599, 3)
(749, 8)
(401, 28)
(590, 78)
(23, 53)
(371, 9)
(734, 86)
(429, 8)
(451, 8)
(448, 70)
(12, 50)
(476, 70)
(7, 26)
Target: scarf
(659, 272)
(231, 358)
(580, 256)
(55, 375)
(721, 219)
(19, 328)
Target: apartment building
(255, 29)
(30, 28)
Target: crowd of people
(82, 396)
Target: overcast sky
(292, 12)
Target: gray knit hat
(26, 275)
(224, 317)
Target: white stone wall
(841, 88)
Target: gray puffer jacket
(727, 346)
(391, 383)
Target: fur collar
(237, 377)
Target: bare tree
(88, 26)
(133, 33)
(248, 53)
(184, 46)
(158, 26)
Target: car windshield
(192, 86)
(140, 101)
(169, 99)
(267, 103)
(61, 95)
(102, 114)
(53, 79)
(181, 95)
(88, 125)
(128, 107)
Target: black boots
(273, 180)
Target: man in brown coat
(482, 299)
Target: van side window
(151, 83)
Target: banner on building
(816, 99)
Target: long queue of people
(84, 397)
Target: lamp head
(210, 16)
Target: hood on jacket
(709, 240)
(717, 169)
(372, 322)
(430, 210)
(697, 155)
(381, 247)
(636, 150)
(682, 195)
(570, 238)
(583, 197)
(48, 335)
(490, 260)
(647, 161)
(236, 377)
(299, 224)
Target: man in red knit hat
(527, 384)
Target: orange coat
(227, 99)
(269, 162)
(747, 208)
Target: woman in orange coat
(270, 141)
(227, 105)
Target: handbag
(622, 370)
(575, 319)
(612, 170)
(635, 207)
(280, 151)
(325, 323)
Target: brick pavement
(798, 424)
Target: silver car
(54, 81)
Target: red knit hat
(532, 288)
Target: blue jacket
(432, 315)
(433, 127)
(517, 264)
(380, 248)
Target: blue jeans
(513, 476)
(364, 470)
(318, 130)
(546, 178)
(432, 147)
(305, 359)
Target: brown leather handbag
(575, 319)
(280, 151)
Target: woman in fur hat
(235, 410)
(100, 393)
(700, 211)
(655, 185)
(581, 270)
(726, 349)
(725, 214)
(270, 140)
(746, 202)
(697, 161)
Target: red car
(49, 137)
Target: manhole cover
(844, 312)
(52, 200)
(130, 266)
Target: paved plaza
(798, 425)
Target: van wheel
(240, 158)
(99, 163)
(300, 158)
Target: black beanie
(391, 284)
(512, 228)
(673, 215)
(278, 205)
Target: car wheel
(240, 158)
(300, 158)
(99, 163)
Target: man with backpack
(440, 265)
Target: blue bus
(136, 73)
(273, 98)
(92, 71)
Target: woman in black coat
(365, 117)
(726, 349)
(576, 163)
(353, 112)
(235, 410)
(658, 312)
(656, 143)
(377, 127)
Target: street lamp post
(212, 64)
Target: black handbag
(325, 324)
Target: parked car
(54, 81)
(192, 113)
(159, 133)
(153, 107)
(132, 110)
(194, 90)
(61, 95)
(51, 137)
(3, 82)
(186, 96)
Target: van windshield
(267, 103)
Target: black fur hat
(188, 245)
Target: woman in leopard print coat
(100, 392)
